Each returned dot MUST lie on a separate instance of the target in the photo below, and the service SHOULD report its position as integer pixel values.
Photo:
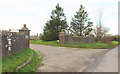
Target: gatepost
(26, 33)
(62, 37)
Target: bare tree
(100, 31)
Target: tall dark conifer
(81, 25)
(55, 25)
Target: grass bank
(96, 45)
(9, 64)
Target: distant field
(96, 45)
(9, 64)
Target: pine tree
(55, 24)
(81, 25)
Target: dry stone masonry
(63, 38)
(14, 42)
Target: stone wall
(74, 39)
(78, 39)
(13, 42)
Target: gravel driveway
(65, 59)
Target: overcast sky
(35, 13)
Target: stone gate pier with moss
(14, 42)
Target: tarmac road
(105, 63)
(65, 59)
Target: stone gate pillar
(62, 37)
(26, 33)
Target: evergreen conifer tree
(81, 25)
(55, 25)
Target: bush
(48, 36)
(108, 39)
(116, 37)
(97, 39)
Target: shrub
(107, 39)
(116, 37)
(48, 36)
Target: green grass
(96, 45)
(33, 65)
(52, 43)
(9, 64)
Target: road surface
(64, 59)
(105, 63)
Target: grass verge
(33, 65)
(96, 45)
(9, 64)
